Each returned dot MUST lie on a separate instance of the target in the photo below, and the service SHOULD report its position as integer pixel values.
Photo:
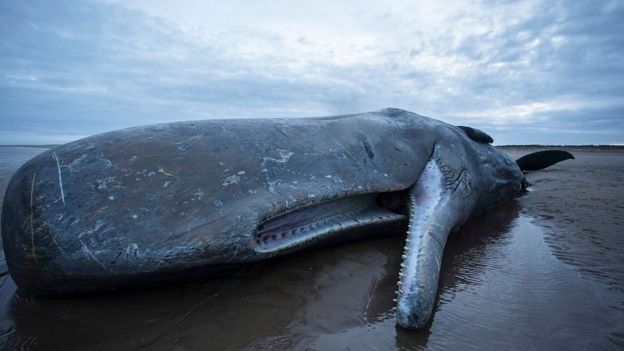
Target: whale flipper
(542, 159)
(434, 210)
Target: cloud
(529, 70)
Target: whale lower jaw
(335, 220)
(434, 211)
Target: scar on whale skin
(60, 178)
(32, 228)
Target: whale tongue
(433, 214)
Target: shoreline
(42, 146)
(579, 148)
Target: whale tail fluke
(542, 159)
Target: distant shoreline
(44, 146)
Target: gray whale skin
(155, 203)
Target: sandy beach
(543, 271)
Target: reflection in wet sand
(580, 204)
(503, 286)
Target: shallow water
(544, 271)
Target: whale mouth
(317, 223)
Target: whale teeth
(394, 300)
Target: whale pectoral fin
(434, 211)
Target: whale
(160, 203)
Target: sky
(526, 72)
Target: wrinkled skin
(156, 203)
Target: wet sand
(544, 271)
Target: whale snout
(80, 223)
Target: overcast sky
(526, 72)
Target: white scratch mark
(59, 246)
(161, 170)
(32, 228)
(166, 184)
(182, 145)
(233, 179)
(272, 186)
(108, 181)
(199, 194)
(98, 224)
(90, 254)
(76, 162)
(284, 157)
(241, 172)
(135, 249)
(58, 166)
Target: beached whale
(161, 202)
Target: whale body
(162, 202)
